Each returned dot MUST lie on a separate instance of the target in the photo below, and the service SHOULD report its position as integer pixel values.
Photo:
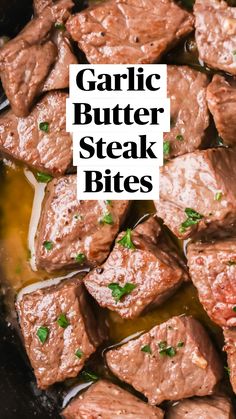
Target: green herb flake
(118, 292)
(44, 126)
(179, 137)
(63, 321)
(227, 369)
(234, 54)
(79, 353)
(218, 196)
(166, 350)
(166, 148)
(43, 177)
(180, 344)
(78, 217)
(48, 245)
(193, 217)
(146, 349)
(170, 351)
(60, 26)
(231, 262)
(89, 376)
(43, 333)
(107, 219)
(108, 202)
(80, 258)
(234, 308)
(126, 240)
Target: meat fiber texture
(129, 31)
(191, 366)
(74, 229)
(37, 59)
(216, 34)
(198, 193)
(213, 268)
(55, 359)
(48, 150)
(189, 113)
(153, 267)
(214, 407)
(108, 401)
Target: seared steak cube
(213, 271)
(198, 192)
(26, 61)
(221, 98)
(129, 31)
(108, 401)
(216, 34)
(59, 329)
(73, 233)
(39, 140)
(189, 112)
(172, 361)
(151, 270)
(39, 5)
(230, 348)
(214, 407)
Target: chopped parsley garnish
(193, 217)
(219, 141)
(179, 137)
(166, 148)
(147, 349)
(80, 258)
(89, 376)
(60, 26)
(43, 333)
(118, 292)
(218, 196)
(44, 126)
(107, 219)
(63, 321)
(234, 308)
(234, 54)
(231, 262)
(78, 217)
(227, 369)
(43, 177)
(126, 240)
(180, 344)
(79, 353)
(166, 350)
(48, 245)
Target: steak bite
(129, 31)
(189, 112)
(213, 271)
(73, 233)
(27, 60)
(198, 193)
(214, 407)
(216, 34)
(39, 140)
(172, 361)
(60, 331)
(108, 401)
(230, 348)
(221, 98)
(135, 279)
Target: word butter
(117, 115)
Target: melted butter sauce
(16, 201)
